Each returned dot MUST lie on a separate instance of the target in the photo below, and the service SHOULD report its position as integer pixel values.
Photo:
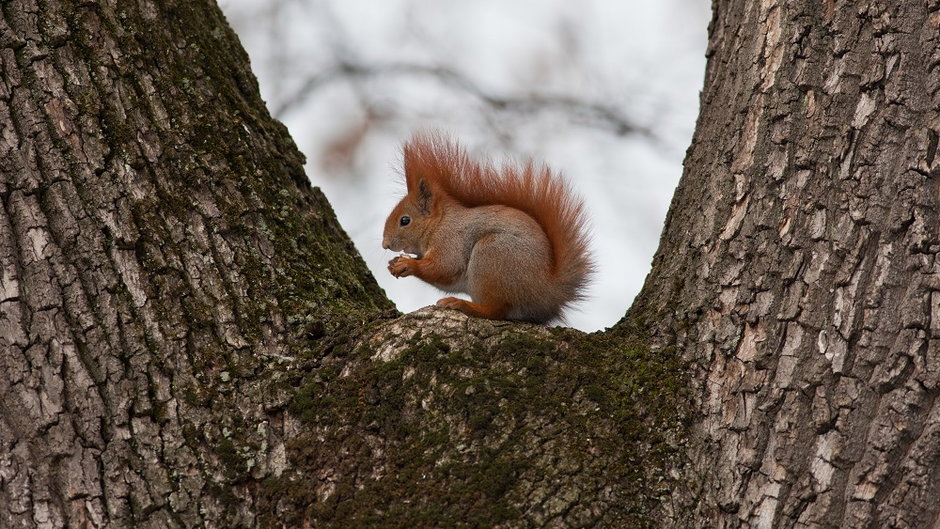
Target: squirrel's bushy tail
(529, 187)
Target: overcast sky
(353, 79)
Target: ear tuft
(424, 196)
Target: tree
(797, 271)
(160, 249)
(190, 339)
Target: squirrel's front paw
(401, 266)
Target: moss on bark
(505, 426)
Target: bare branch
(595, 114)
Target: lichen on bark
(436, 419)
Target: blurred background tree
(605, 92)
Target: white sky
(644, 59)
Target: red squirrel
(514, 238)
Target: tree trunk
(798, 268)
(160, 250)
(189, 339)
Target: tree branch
(596, 114)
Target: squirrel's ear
(424, 196)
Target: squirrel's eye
(406, 220)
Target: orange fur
(512, 237)
(530, 188)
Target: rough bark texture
(160, 249)
(439, 420)
(798, 271)
(188, 339)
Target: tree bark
(160, 250)
(189, 338)
(798, 268)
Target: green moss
(228, 456)
(458, 429)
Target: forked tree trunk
(189, 339)
(798, 270)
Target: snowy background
(604, 91)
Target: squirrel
(514, 237)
